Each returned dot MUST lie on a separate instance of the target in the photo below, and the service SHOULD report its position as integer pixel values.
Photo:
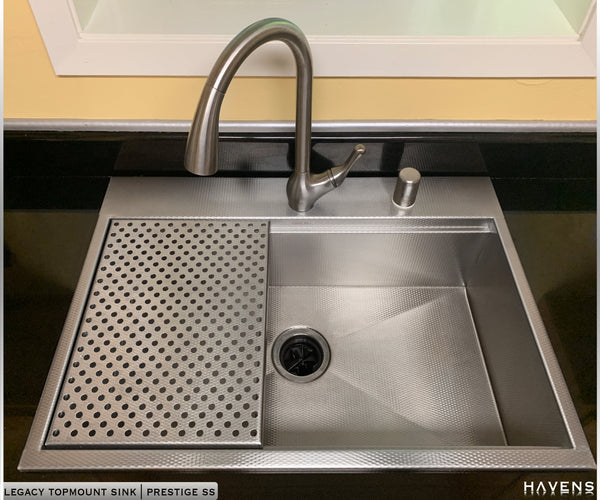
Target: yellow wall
(32, 90)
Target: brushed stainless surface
(248, 197)
(513, 360)
(440, 255)
(359, 127)
(201, 155)
(305, 188)
(537, 415)
(406, 370)
(413, 256)
(407, 187)
(171, 344)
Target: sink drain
(301, 354)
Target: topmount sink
(429, 352)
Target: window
(395, 38)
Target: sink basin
(356, 337)
(411, 311)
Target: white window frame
(75, 53)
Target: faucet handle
(338, 174)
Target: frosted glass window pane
(493, 18)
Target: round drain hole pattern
(301, 354)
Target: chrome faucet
(201, 156)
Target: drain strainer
(170, 348)
(301, 354)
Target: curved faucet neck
(201, 155)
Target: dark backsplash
(530, 171)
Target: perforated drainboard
(170, 349)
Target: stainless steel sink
(436, 356)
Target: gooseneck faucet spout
(201, 155)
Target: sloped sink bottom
(406, 370)
(416, 331)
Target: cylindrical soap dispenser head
(407, 187)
